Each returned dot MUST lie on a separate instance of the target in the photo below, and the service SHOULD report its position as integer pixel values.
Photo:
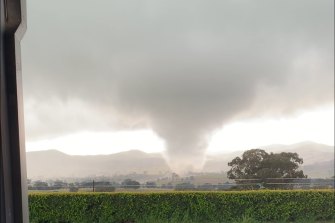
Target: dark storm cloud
(183, 68)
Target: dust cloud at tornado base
(181, 68)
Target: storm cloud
(181, 68)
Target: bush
(263, 206)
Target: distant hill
(54, 164)
(311, 152)
(318, 162)
(320, 169)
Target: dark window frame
(13, 179)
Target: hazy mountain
(320, 169)
(318, 162)
(311, 152)
(52, 163)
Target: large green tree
(258, 166)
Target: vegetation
(184, 186)
(261, 206)
(151, 184)
(258, 164)
(40, 185)
(130, 184)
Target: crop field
(237, 206)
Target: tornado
(181, 68)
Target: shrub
(263, 206)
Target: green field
(238, 206)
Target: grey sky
(182, 68)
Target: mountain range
(318, 162)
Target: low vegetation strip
(264, 206)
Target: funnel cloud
(182, 68)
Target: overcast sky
(183, 77)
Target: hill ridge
(318, 160)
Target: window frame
(13, 176)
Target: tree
(58, 184)
(40, 185)
(258, 165)
(150, 184)
(104, 186)
(132, 184)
